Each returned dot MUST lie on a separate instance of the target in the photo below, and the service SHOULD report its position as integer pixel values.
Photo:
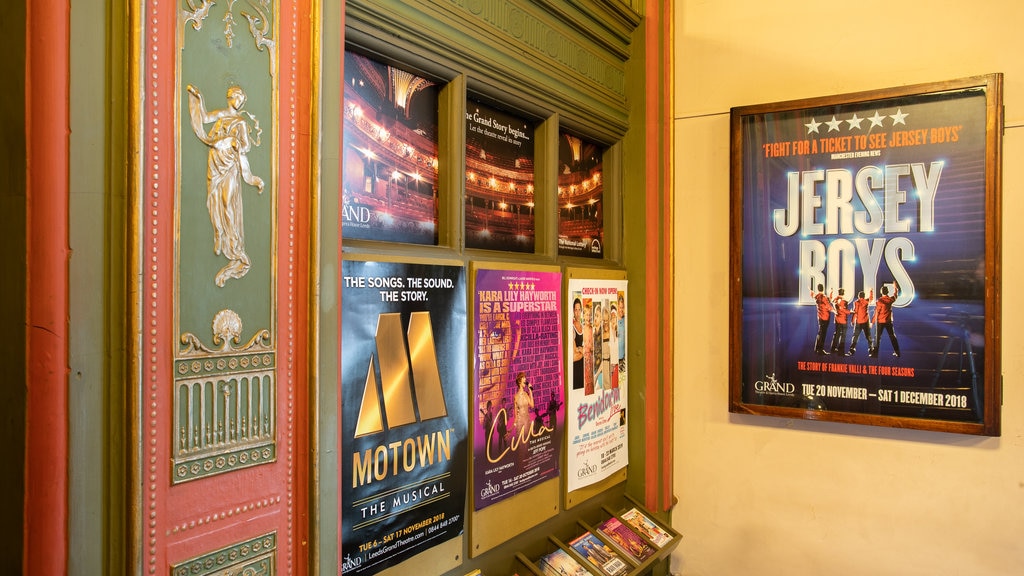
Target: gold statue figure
(229, 140)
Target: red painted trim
(47, 130)
(658, 264)
(298, 309)
(155, 514)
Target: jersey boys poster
(864, 256)
(598, 377)
(404, 422)
(518, 428)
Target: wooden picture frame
(878, 209)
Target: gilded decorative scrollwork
(227, 331)
(229, 24)
(196, 14)
(225, 401)
(260, 28)
(255, 557)
(260, 18)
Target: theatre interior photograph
(512, 288)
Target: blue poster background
(861, 196)
(404, 422)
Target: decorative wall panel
(222, 238)
(256, 557)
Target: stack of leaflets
(600, 555)
(647, 527)
(559, 563)
(625, 538)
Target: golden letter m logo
(396, 365)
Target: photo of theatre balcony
(389, 180)
(499, 200)
(580, 198)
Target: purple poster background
(518, 373)
(886, 199)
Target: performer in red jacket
(824, 308)
(883, 320)
(862, 323)
(839, 335)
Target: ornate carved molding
(225, 402)
(571, 55)
(227, 330)
(256, 557)
(260, 27)
(197, 13)
(261, 23)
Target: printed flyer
(864, 270)
(518, 374)
(404, 422)
(598, 377)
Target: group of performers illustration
(856, 313)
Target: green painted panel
(226, 223)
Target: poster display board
(865, 257)
(404, 422)
(596, 343)
(518, 381)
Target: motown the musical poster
(865, 257)
(598, 381)
(404, 422)
(519, 400)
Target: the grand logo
(771, 385)
(586, 469)
(396, 367)
(350, 563)
(490, 490)
(356, 213)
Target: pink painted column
(46, 329)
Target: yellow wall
(765, 496)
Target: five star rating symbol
(854, 122)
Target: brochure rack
(624, 542)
